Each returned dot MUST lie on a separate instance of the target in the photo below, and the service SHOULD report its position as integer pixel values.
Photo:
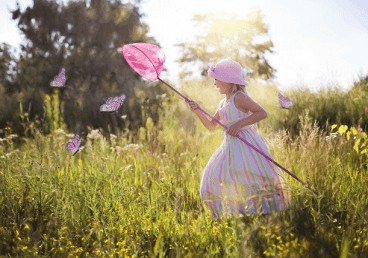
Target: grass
(138, 196)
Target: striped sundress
(237, 179)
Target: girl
(237, 179)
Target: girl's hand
(193, 105)
(206, 121)
(234, 129)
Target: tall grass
(137, 195)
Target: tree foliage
(84, 37)
(245, 40)
(7, 105)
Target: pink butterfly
(74, 144)
(285, 102)
(112, 104)
(59, 79)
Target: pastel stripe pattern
(237, 179)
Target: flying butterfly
(112, 104)
(74, 144)
(285, 102)
(59, 80)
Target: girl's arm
(245, 104)
(206, 121)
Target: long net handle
(240, 138)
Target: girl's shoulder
(242, 101)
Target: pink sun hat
(227, 70)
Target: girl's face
(223, 87)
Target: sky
(316, 43)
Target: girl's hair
(238, 87)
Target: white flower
(132, 147)
(94, 134)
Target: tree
(7, 96)
(84, 37)
(244, 40)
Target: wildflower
(12, 136)
(94, 134)
(17, 235)
(331, 136)
(132, 147)
(26, 227)
(113, 138)
(59, 131)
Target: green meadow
(136, 193)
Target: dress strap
(221, 104)
(235, 93)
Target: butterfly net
(145, 58)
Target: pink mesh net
(145, 58)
